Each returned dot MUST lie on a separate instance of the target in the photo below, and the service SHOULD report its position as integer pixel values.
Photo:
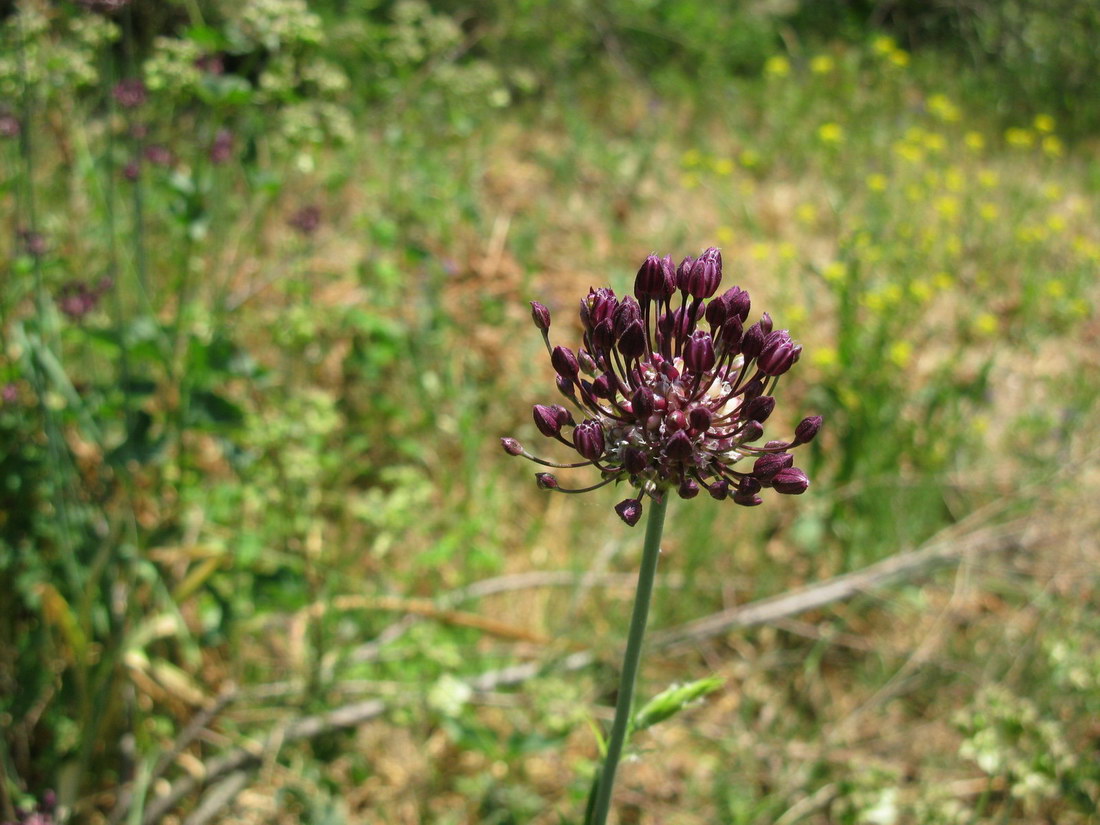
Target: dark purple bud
(604, 386)
(778, 354)
(565, 363)
(759, 408)
(747, 501)
(603, 336)
(547, 420)
(650, 280)
(737, 301)
(752, 342)
(626, 313)
(700, 418)
(752, 431)
(642, 403)
(688, 488)
(679, 446)
(668, 269)
(683, 272)
(675, 420)
(511, 446)
(729, 337)
(717, 311)
(632, 341)
(807, 429)
(766, 323)
(540, 315)
(588, 439)
(699, 352)
(588, 366)
(597, 306)
(634, 459)
(702, 279)
(790, 482)
(752, 390)
(629, 510)
(719, 490)
(546, 481)
(748, 486)
(565, 386)
(564, 416)
(768, 465)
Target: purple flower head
(34, 243)
(159, 155)
(130, 93)
(9, 125)
(673, 405)
(76, 298)
(221, 148)
(306, 220)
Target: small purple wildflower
(306, 220)
(130, 93)
(212, 64)
(9, 125)
(34, 243)
(76, 298)
(672, 397)
(221, 148)
(159, 155)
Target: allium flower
(672, 394)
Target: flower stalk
(651, 552)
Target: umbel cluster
(671, 390)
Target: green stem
(632, 658)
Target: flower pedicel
(672, 397)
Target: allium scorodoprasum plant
(672, 394)
(672, 390)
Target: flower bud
(602, 336)
(720, 490)
(565, 363)
(747, 500)
(540, 315)
(748, 486)
(546, 481)
(547, 420)
(588, 439)
(704, 276)
(790, 482)
(700, 418)
(642, 403)
(650, 280)
(729, 337)
(737, 302)
(679, 446)
(629, 510)
(603, 386)
(751, 431)
(699, 352)
(759, 408)
(675, 420)
(766, 323)
(588, 365)
(716, 313)
(807, 429)
(634, 460)
(565, 386)
(511, 446)
(632, 341)
(752, 342)
(688, 488)
(768, 465)
(778, 353)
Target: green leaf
(672, 700)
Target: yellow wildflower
(954, 179)
(975, 141)
(884, 45)
(691, 158)
(806, 213)
(830, 133)
(1053, 146)
(986, 323)
(834, 272)
(822, 64)
(1056, 224)
(988, 178)
(941, 106)
(988, 211)
(900, 58)
(877, 182)
(725, 235)
(722, 166)
(901, 352)
(1056, 289)
(948, 207)
(1019, 138)
(823, 357)
(749, 158)
(943, 281)
(1044, 123)
(777, 66)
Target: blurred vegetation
(264, 322)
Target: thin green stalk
(651, 551)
